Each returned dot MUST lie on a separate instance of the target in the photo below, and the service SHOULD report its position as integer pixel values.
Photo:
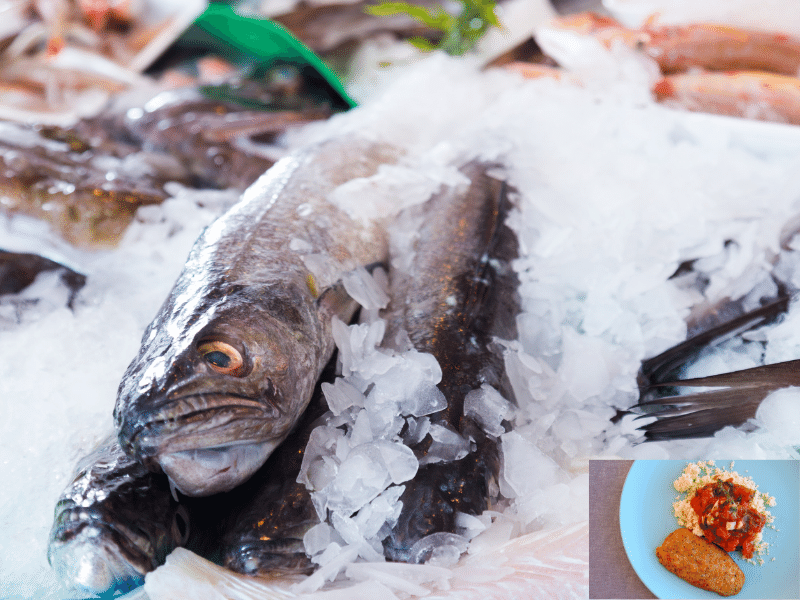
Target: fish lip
(169, 425)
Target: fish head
(209, 397)
(94, 554)
(107, 533)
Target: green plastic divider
(261, 40)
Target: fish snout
(95, 558)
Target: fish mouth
(208, 442)
(98, 556)
(211, 470)
(199, 421)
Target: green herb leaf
(460, 32)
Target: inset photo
(694, 529)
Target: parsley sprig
(460, 32)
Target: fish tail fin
(701, 414)
(657, 368)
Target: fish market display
(114, 523)
(615, 193)
(228, 365)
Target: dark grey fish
(462, 282)
(229, 363)
(86, 189)
(701, 414)
(210, 137)
(87, 180)
(114, 523)
(455, 298)
(19, 269)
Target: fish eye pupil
(218, 359)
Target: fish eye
(222, 357)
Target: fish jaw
(96, 557)
(209, 445)
(207, 471)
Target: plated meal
(654, 514)
(720, 512)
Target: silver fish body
(454, 300)
(229, 363)
(115, 522)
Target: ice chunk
(331, 561)
(299, 245)
(525, 468)
(487, 407)
(315, 471)
(440, 547)
(317, 538)
(426, 399)
(780, 414)
(469, 525)
(447, 446)
(351, 534)
(361, 432)
(364, 289)
(393, 188)
(383, 509)
(417, 430)
(355, 476)
(399, 459)
(341, 395)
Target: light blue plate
(646, 518)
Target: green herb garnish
(460, 32)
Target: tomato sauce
(726, 516)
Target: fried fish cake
(701, 563)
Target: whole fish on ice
(458, 294)
(455, 300)
(115, 522)
(229, 363)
